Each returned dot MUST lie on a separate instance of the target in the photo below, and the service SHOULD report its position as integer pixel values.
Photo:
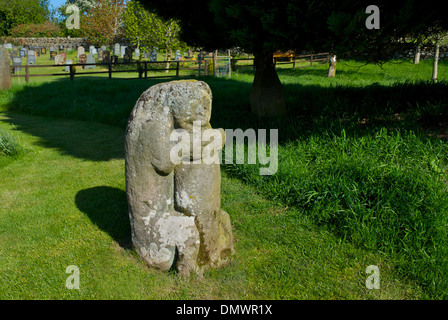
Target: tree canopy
(262, 27)
(16, 12)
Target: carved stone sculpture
(175, 209)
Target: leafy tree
(36, 30)
(103, 24)
(147, 30)
(262, 27)
(15, 12)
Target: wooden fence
(144, 67)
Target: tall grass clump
(385, 191)
(9, 145)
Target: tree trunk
(167, 66)
(417, 55)
(436, 62)
(267, 97)
(332, 66)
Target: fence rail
(144, 67)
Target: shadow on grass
(313, 110)
(107, 208)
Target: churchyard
(361, 181)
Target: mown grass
(361, 179)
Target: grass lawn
(361, 182)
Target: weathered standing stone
(174, 209)
(5, 71)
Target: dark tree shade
(264, 26)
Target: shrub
(46, 29)
(9, 145)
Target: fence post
(199, 67)
(146, 70)
(230, 64)
(72, 72)
(205, 68)
(110, 70)
(27, 74)
(311, 60)
(294, 62)
(177, 68)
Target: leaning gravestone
(31, 57)
(5, 71)
(174, 209)
(90, 59)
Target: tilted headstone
(5, 70)
(90, 59)
(175, 207)
(31, 57)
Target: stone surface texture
(175, 209)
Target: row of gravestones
(61, 57)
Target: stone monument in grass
(5, 71)
(175, 207)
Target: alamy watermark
(72, 21)
(373, 21)
(72, 281)
(373, 280)
(205, 146)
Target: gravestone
(127, 55)
(22, 52)
(153, 57)
(80, 51)
(17, 64)
(93, 51)
(175, 208)
(117, 49)
(137, 53)
(178, 55)
(106, 56)
(43, 50)
(90, 59)
(61, 47)
(67, 68)
(100, 54)
(36, 51)
(15, 51)
(31, 57)
(103, 48)
(53, 55)
(123, 51)
(52, 49)
(7, 46)
(82, 58)
(59, 59)
(64, 55)
(5, 70)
